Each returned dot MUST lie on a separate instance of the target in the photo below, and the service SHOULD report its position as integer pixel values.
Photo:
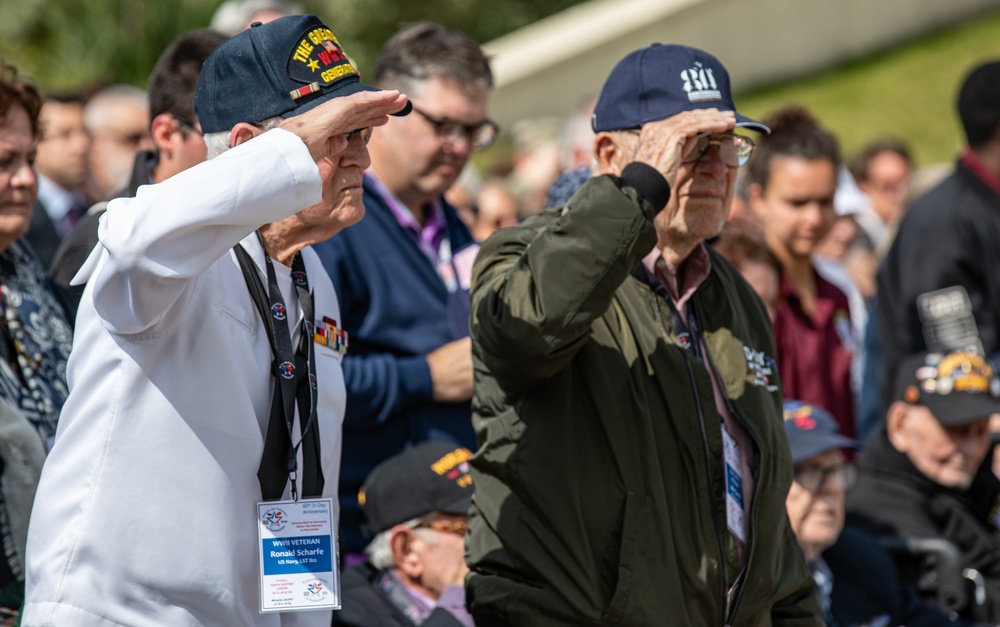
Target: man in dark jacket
(415, 504)
(939, 285)
(632, 467)
(924, 475)
(857, 580)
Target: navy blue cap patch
(318, 61)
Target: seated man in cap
(178, 428)
(927, 475)
(856, 578)
(416, 504)
(632, 467)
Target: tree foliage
(71, 44)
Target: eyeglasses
(813, 478)
(187, 126)
(364, 133)
(480, 136)
(458, 527)
(735, 150)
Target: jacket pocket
(631, 535)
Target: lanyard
(294, 372)
(686, 331)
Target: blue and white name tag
(298, 556)
(735, 511)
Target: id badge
(298, 556)
(735, 511)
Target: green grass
(907, 92)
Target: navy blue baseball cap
(282, 68)
(661, 81)
(812, 431)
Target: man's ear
(896, 424)
(407, 560)
(242, 132)
(605, 153)
(162, 129)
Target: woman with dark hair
(793, 179)
(35, 335)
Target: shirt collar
(428, 236)
(975, 164)
(57, 200)
(697, 267)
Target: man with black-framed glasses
(632, 467)
(404, 270)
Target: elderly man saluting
(206, 380)
(633, 466)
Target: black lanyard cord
(295, 383)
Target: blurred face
(796, 208)
(114, 144)
(409, 156)
(888, 174)
(18, 183)
(842, 233)
(817, 515)
(948, 456)
(62, 148)
(764, 280)
(498, 209)
(441, 549)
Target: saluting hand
(322, 128)
(664, 143)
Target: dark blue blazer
(396, 309)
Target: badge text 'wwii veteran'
(318, 61)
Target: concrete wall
(549, 67)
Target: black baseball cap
(282, 68)
(424, 479)
(959, 387)
(812, 431)
(660, 81)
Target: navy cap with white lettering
(282, 68)
(661, 81)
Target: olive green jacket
(599, 477)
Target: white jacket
(146, 510)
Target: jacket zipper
(723, 562)
(732, 604)
(752, 545)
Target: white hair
(379, 550)
(218, 142)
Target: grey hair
(234, 16)
(218, 142)
(379, 550)
(425, 50)
(99, 109)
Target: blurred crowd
(876, 273)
